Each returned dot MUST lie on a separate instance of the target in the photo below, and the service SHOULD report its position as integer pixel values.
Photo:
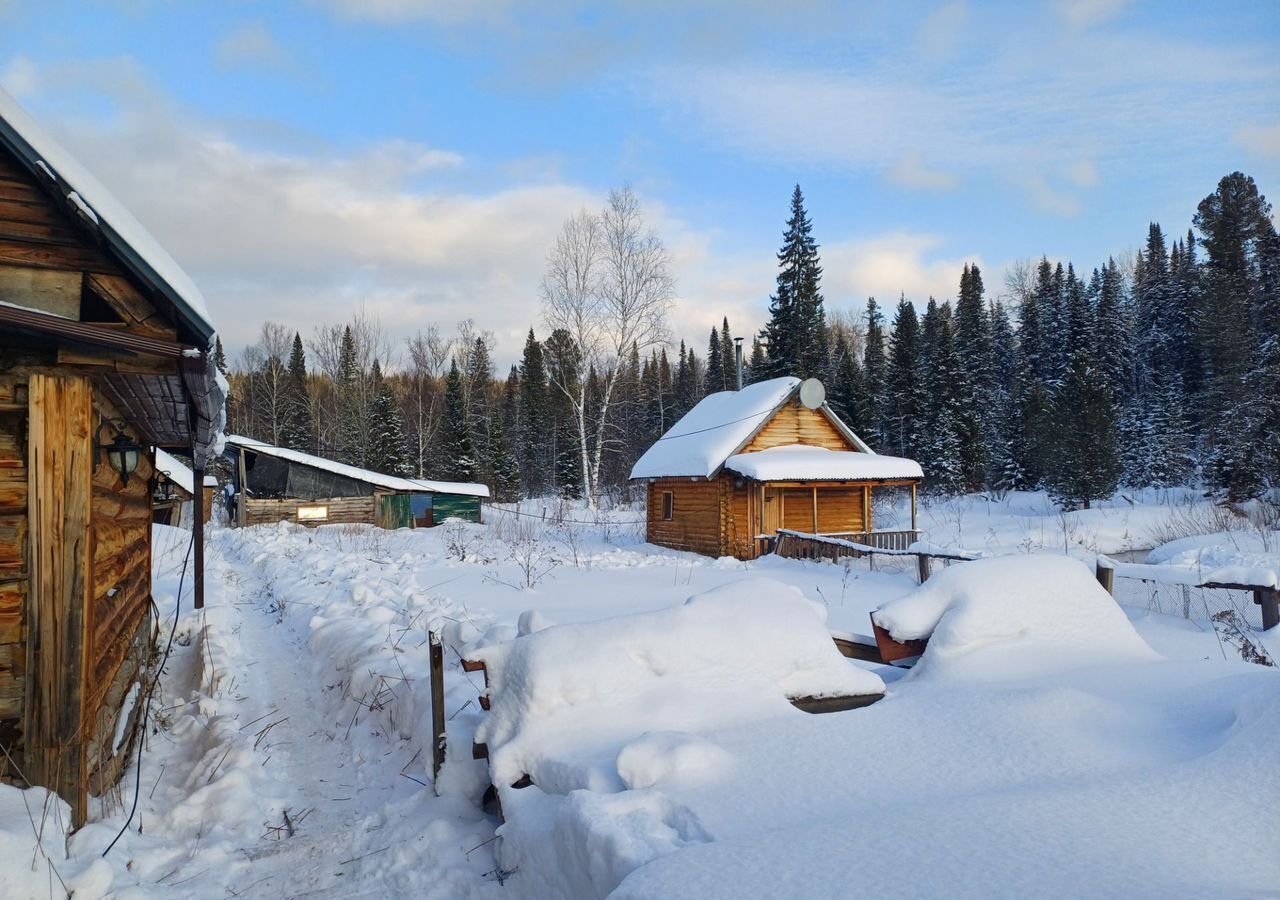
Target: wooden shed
(103, 356)
(277, 484)
(742, 464)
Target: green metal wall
(456, 506)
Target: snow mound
(729, 654)
(1037, 612)
(669, 759)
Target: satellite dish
(812, 393)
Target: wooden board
(60, 464)
(47, 290)
(797, 424)
(342, 511)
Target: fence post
(922, 567)
(438, 741)
(1106, 573)
(1269, 600)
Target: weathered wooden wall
(797, 424)
(698, 519)
(60, 463)
(13, 566)
(342, 511)
(119, 590)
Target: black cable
(146, 709)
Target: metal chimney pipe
(737, 359)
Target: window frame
(668, 505)
(310, 517)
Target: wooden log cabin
(103, 355)
(742, 464)
(279, 484)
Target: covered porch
(837, 509)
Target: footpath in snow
(288, 753)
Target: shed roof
(126, 237)
(175, 470)
(719, 426)
(377, 479)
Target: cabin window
(313, 512)
(668, 505)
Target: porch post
(197, 528)
(913, 507)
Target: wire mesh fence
(1186, 601)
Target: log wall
(13, 566)
(119, 581)
(342, 511)
(699, 515)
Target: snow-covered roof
(126, 236)
(723, 423)
(377, 479)
(802, 462)
(464, 488)
(175, 470)
(713, 430)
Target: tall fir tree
(847, 388)
(1085, 463)
(874, 366)
(297, 431)
(536, 468)
(715, 377)
(456, 460)
(796, 331)
(904, 390)
(729, 358)
(352, 430)
(389, 451)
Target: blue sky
(418, 156)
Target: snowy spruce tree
(534, 437)
(847, 388)
(796, 331)
(296, 429)
(874, 364)
(389, 451)
(904, 390)
(455, 459)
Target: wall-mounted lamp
(122, 453)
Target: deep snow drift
(302, 689)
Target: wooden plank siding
(13, 572)
(60, 470)
(797, 424)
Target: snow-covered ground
(289, 748)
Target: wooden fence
(801, 545)
(1265, 594)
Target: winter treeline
(1155, 370)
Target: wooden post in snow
(197, 529)
(1106, 574)
(1269, 600)
(922, 567)
(437, 709)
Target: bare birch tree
(428, 355)
(608, 285)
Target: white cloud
(1081, 14)
(1261, 140)
(251, 46)
(20, 77)
(911, 172)
(888, 265)
(1045, 117)
(940, 34)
